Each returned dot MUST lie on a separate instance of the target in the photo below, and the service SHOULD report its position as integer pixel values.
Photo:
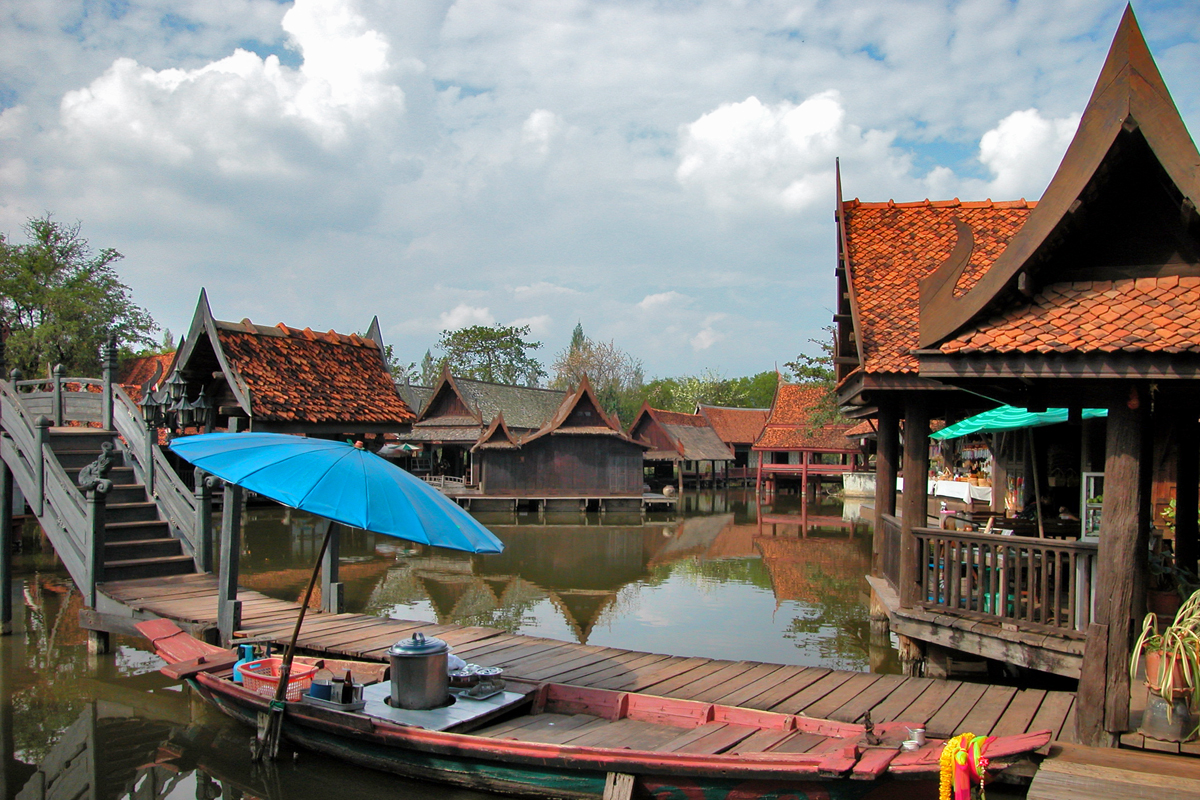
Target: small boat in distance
(561, 741)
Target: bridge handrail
(11, 408)
(176, 500)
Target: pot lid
(418, 645)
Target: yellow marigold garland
(961, 760)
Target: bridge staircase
(102, 489)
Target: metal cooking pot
(419, 675)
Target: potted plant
(1172, 665)
(1169, 585)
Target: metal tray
(316, 701)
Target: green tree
(616, 376)
(60, 301)
(496, 353)
(430, 370)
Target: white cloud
(657, 302)
(540, 128)
(464, 316)
(543, 289)
(1024, 150)
(744, 156)
(708, 335)
(538, 326)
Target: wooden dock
(945, 707)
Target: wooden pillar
(1102, 704)
(204, 522)
(57, 393)
(6, 550)
(333, 595)
(887, 458)
(999, 473)
(229, 608)
(804, 454)
(758, 478)
(916, 490)
(1187, 488)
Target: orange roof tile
(866, 428)
(891, 246)
(790, 426)
(300, 375)
(1130, 315)
(736, 425)
(140, 370)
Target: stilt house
(1088, 298)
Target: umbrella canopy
(1008, 418)
(341, 482)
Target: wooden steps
(1074, 772)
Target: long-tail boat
(562, 741)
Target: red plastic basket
(262, 677)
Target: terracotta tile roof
(891, 246)
(300, 375)
(1130, 315)
(862, 429)
(736, 425)
(140, 370)
(790, 426)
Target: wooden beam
(916, 490)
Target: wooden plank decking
(944, 707)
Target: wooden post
(1187, 489)
(804, 455)
(999, 473)
(96, 497)
(110, 377)
(916, 495)
(204, 522)
(886, 460)
(6, 550)
(229, 608)
(1103, 707)
(333, 592)
(758, 478)
(42, 437)
(56, 389)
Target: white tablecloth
(957, 490)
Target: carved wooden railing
(890, 561)
(1036, 582)
(66, 515)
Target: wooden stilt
(886, 461)
(916, 495)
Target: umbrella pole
(270, 724)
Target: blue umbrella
(340, 482)
(343, 483)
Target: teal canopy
(1008, 418)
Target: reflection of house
(579, 453)
(1091, 298)
(289, 380)
(460, 410)
(795, 447)
(678, 442)
(737, 427)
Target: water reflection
(723, 579)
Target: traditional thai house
(579, 457)
(679, 443)
(460, 410)
(739, 428)
(796, 448)
(1090, 298)
(288, 380)
(139, 371)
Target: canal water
(720, 578)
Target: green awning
(1009, 418)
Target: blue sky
(660, 172)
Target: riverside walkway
(945, 707)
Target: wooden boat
(561, 741)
